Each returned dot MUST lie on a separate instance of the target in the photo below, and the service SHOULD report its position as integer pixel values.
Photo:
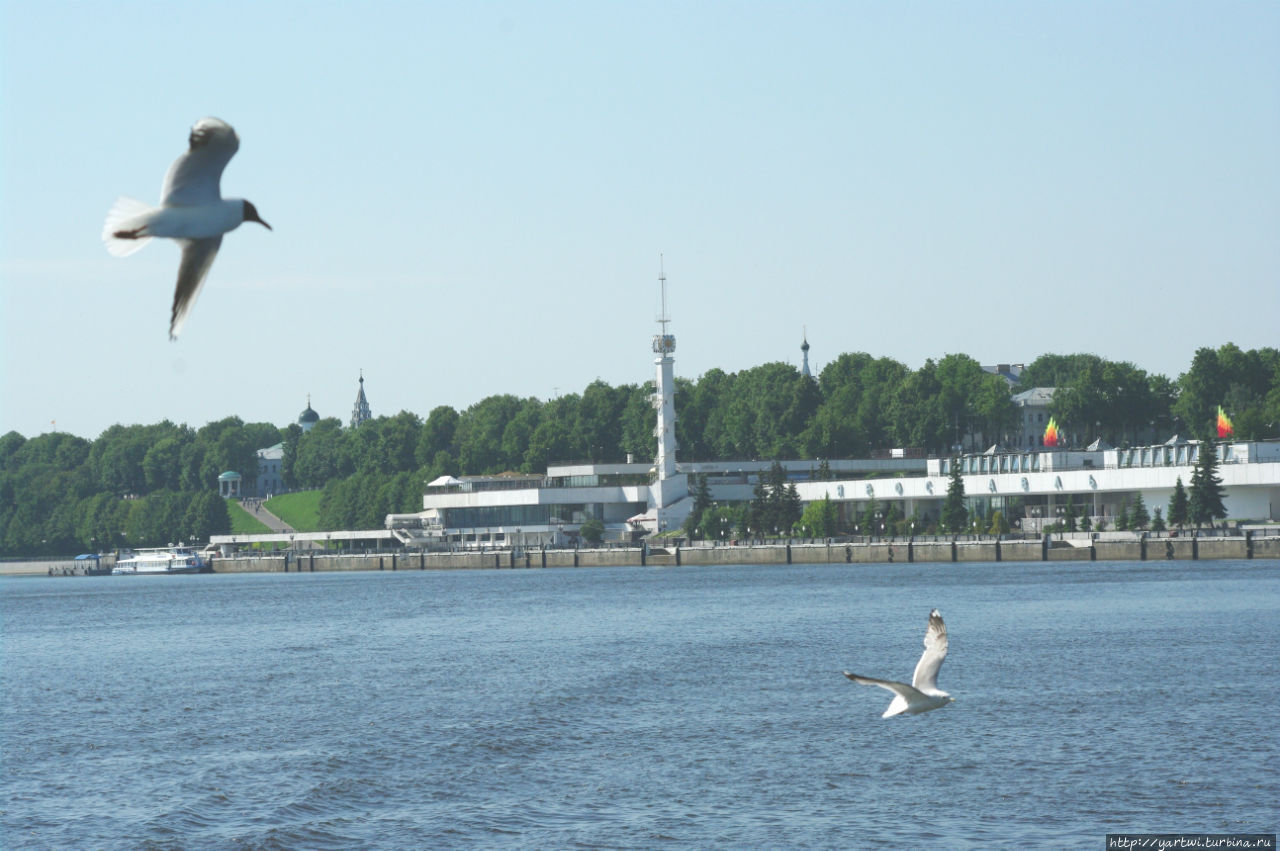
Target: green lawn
(242, 522)
(299, 510)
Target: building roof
(1010, 372)
(1036, 396)
(272, 453)
(229, 475)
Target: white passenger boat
(161, 560)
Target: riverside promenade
(1069, 547)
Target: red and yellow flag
(1225, 427)
(1051, 433)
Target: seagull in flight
(923, 694)
(192, 211)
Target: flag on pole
(1225, 427)
(1051, 433)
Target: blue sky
(471, 198)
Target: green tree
(1157, 523)
(479, 435)
(1052, 370)
(437, 435)
(598, 426)
(999, 525)
(870, 522)
(592, 532)
(792, 507)
(1179, 513)
(917, 415)
(1205, 504)
(1122, 517)
(206, 514)
(289, 455)
(955, 517)
(700, 490)
(960, 379)
(819, 518)
(757, 515)
(720, 522)
(1138, 516)
(994, 409)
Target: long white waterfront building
(1032, 487)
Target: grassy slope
(242, 522)
(299, 510)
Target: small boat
(158, 560)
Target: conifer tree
(1205, 504)
(1178, 512)
(757, 513)
(955, 517)
(1138, 516)
(1122, 517)
(701, 493)
(1157, 523)
(870, 525)
(792, 506)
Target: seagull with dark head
(192, 211)
(923, 694)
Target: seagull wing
(197, 257)
(194, 177)
(925, 679)
(905, 695)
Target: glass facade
(520, 515)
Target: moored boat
(158, 560)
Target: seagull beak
(251, 215)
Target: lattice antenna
(663, 318)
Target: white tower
(664, 399)
(804, 350)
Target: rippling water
(638, 707)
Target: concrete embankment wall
(873, 552)
(1081, 548)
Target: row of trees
(133, 486)
(857, 404)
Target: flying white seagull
(192, 211)
(923, 693)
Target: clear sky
(471, 198)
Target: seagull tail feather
(126, 214)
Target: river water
(638, 707)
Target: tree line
(60, 493)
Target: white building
(270, 480)
(1031, 484)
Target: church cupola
(308, 418)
